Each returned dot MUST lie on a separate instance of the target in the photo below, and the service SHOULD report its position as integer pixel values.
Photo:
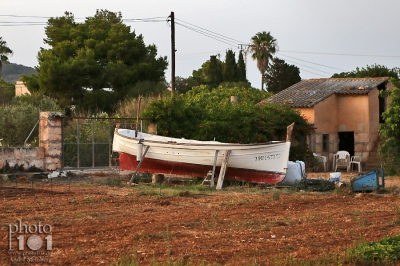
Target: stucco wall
(343, 113)
(21, 89)
(308, 113)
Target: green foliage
(214, 72)
(5, 51)
(389, 145)
(241, 68)
(263, 47)
(388, 249)
(280, 75)
(182, 85)
(230, 67)
(20, 116)
(31, 82)
(302, 153)
(205, 114)
(86, 132)
(370, 71)
(86, 58)
(7, 91)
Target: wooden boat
(259, 163)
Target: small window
(325, 142)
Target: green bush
(388, 249)
(389, 144)
(206, 114)
(20, 117)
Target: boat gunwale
(221, 144)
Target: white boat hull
(261, 163)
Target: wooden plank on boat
(223, 169)
(138, 167)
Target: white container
(335, 176)
(293, 174)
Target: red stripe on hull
(128, 162)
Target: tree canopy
(263, 47)
(375, 70)
(95, 64)
(5, 51)
(214, 71)
(280, 75)
(204, 113)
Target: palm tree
(263, 47)
(4, 51)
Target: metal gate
(87, 142)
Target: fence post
(50, 139)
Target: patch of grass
(74, 201)
(276, 194)
(113, 181)
(88, 199)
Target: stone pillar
(50, 138)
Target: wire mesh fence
(87, 142)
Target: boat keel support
(138, 167)
(223, 169)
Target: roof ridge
(348, 78)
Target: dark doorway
(382, 104)
(346, 142)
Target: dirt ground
(93, 224)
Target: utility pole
(245, 51)
(172, 16)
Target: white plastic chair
(342, 160)
(356, 160)
(321, 159)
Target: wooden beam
(223, 169)
(138, 167)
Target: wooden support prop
(213, 171)
(223, 169)
(138, 167)
(289, 130)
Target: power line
(308, 67)
(340, 54)
(313, 73)
(313, 63)
(207, 35)
(212, 33)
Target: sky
(321, 38)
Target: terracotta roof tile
(309, 92)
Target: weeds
(74, 201)
(397, 215)
(276, 194)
